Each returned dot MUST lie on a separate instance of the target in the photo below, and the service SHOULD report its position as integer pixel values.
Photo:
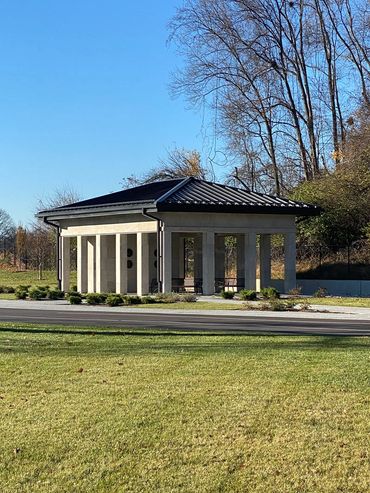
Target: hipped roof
(185, 195)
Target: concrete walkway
(318, 311)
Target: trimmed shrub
(131, 300)
(248, 294)
(55, 294)
(114, 300)
(21, 294)
(36, 293)
(227, 295)
(75, 299)
(23, 287)
(270, 293)
(189, 297)
(7, 289)
(147, 300)
(168, 297)
(72, 293)
(95, 298)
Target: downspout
(159, 248)
(58, 259)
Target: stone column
(289, 261)
(175, 255)
(98, 263)
(265, 260)
(197, 257)
(91, 278)
(181, 255)
(167, 261)
(240, 261)
(250, 258)
(208, 262)
(142, 242)
(219, 261)
(66, 261)
(121, 263)
(82, 264)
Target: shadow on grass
(176, 340)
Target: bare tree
(178, 163)
(279, 75)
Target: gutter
(58, 257)
(159, 247)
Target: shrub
(321, 293)
(146, 300)
(114, 300)
(21, 294)
(74, 288)
(23, 287)
(189, 297)
(297, 291)
(7, 289)
(55, 294)
(248, 294)
(276, 305)
(36, 293)
(270, 293)
(227, 295)
(72, 293)
(167, 297)
(95, 298)
(75, 299)
(131, 300)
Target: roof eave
(243, 209)
(113, 209)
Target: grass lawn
(8, 278)
(109, 410)
(359, 302)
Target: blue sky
(84, 97)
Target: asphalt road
(181, 321)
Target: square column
(98, 264)
(265, 261)
(208, 262)
(240, 261)
(167, 261)
(66, 262)
(82, 264)
(121, 263)
(250, 259)
(219, 262)
(289, 261)
(178, 262)
(91, 285)
(197, 257)
(142, 242)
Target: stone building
(140, 240)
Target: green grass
(109, 410)
(198, 305)
(355, 302)
(7, 296)
(31, 277)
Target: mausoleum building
(143, 239)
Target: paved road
(190, 322)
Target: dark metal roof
(143, 193)
(186, 194)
